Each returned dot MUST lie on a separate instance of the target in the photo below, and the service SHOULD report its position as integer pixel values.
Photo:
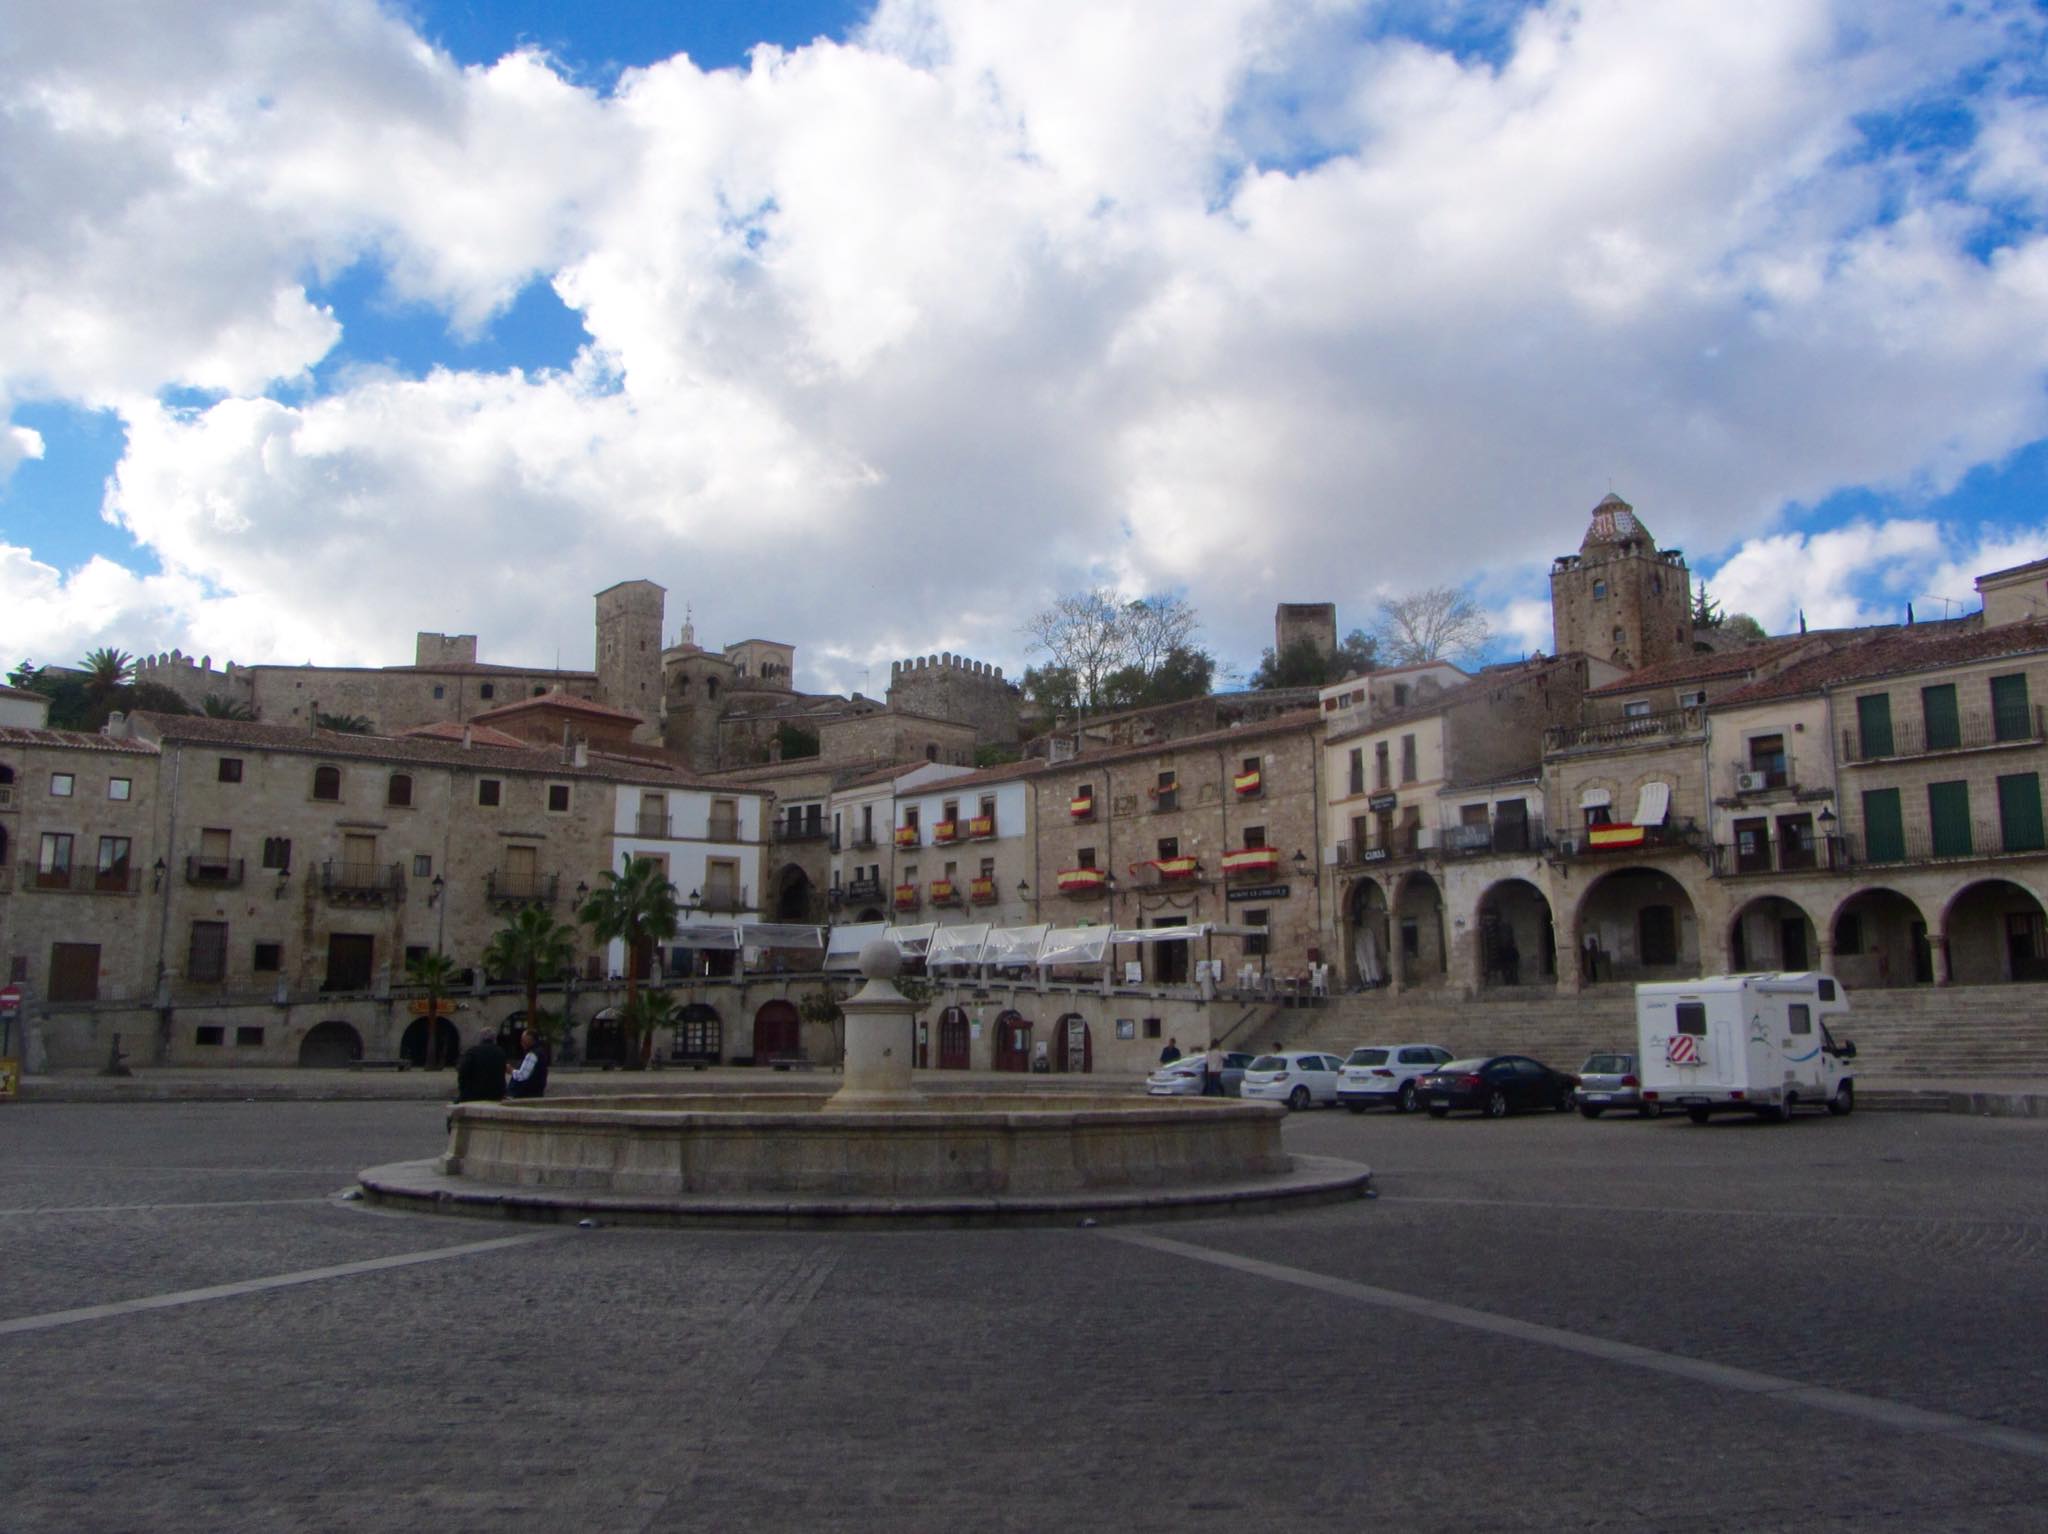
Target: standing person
(1212, 1071)
(480, 1073)
(1171, 1053)
(530, 1077)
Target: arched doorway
(1772, 933)
(870, 914)
(796, 897)
(1419, 931)
(955, 1040)
(413, 1042)
(1073, 1047)
(778, 1032)
(1013, 1042)
(604, 1040)
(1995, 933)
(1517, 940)
(1637, 924)
(1881, 941)
(330, 1044)
(1365, 915)
(700, 1035)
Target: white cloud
(18, 444)
(891, 339)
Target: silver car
(1610, 1080)
(1183, 1078)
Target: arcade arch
(1994, 932)
(1772, 933)
(1517, 938)
(1636, 924)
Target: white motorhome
(1744, 1044)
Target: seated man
(480, 1073)
(530, 1077)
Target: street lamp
(156, 876)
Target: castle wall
(1314, 621)
(194, 681)
(969, 692)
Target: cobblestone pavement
(417, 1373)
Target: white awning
(957, 945)
(847, 942)
(911, 942)
(766, 934)
(1653, 804)
(1595, 799)
(724, 935)
(1159, 934)
(1074, 945)
(1014, 947)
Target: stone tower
(1314, 621)
(1621, 598)
(629, 619)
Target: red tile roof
(479, 735)
(563, 702)
(1896, 652)
(1710, 666)
(74, 740)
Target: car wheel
(1844, 1100)
(1566, 1101)
(1497, 1105)
(1356, 1107)
(1404, 1100)
(1297, 1099)
(1777, 1115)
(1697, 1115)
(1437, 1112)
(1588, 1111)
(1650, 1111)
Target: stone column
(1937, 946)
(880, 1041)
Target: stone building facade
(952, 687)
(1621, 598)
(1315, 622)
(195, 681)
(629, 651)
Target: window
(489, 792)
(1358, 769)
(120, 789)
(1636, 708)
(1255, 836)
(249, 1035)
(2019, 812)
(1874, 725)
(1085, 858)
(558, 798)
(1408, 772)
(1767, 758)
(1694, 699)
(53, 860)
(2011, 718)
(1382, 774)
(230, 769)
(1948, 818)
(1938, 712)
(268, 958)
(277, 852)
(112, 873)
(440, 691)
(61, 785)
(1256, 943)
(1799, 1017)
(1692, 1018)
(1884, 827)
(1169, 846)
(1599, 591)
(1620, 638)
(487, 691)
(1400, 695)
(206, 955)
(208, 1035)
(422, 866)
(415, 952)
(399, 791)
(327, 783)
(1151, 1027)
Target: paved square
(1542, 1323)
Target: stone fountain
(877, 1151)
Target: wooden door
(74, 972)
(954, 1040)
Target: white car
(1183, 1078)
(1294, 1077)
(1387, 1073)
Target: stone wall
(1314, 621)
(400, 698)
(890, 736)
(965, 691)
(195, 681)
(629, 651)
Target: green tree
(1053, 688)
(636, 906)
(217, 707)
(155, 698)
(1743, 626)
(795, 741)
(107, 671)
(1706, 612)
(435, 974)
(343, 724)
(531, 946)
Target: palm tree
(107, 671)
(637, 906)
(217, 707)
(434, 973)
(531, 945)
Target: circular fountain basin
(750, 1158)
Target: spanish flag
(1615, 835)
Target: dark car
(1496, 1086)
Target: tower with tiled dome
(1621, 597)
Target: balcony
(981, 828)
(945, 892)
(1170, 873)
(515, 889)
(1824, 854)
(724, 900)
(722, 828)
(906, 836)
(368, 883)
(1678, 724)
(654, 827)
(863, 889)
(1745, 783)
(1083, 881)
(906, 897)
(982, 891)
(1082, 807)
(1492, 837)
(1248, 785)
(863, 841)
(79, 880)
(1251, 863)
(802, 831)
(214, 873)
(1979, 840)
(1607, 841)
(1972, 732)
(7, 798)
(1164, 800)
(944, 831)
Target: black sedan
(1496, 1086)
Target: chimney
(465, 737)
(116, 726)
(582, 757)
(312, 713)
(775, 748)
(568, 751)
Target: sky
(874, 327)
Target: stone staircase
(1989, 1031)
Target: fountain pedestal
(879, 1040)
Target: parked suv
(1297, 1078)
(1609, 1080)
(1387, 1073)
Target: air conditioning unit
(1750, 783)
(1332, 856)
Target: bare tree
(1156, 627)
(1094, 636)
(1084, 632)
(1441, 623)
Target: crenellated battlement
(194, 681)
(959, 688)
(944, 661)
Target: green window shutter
(2019, 812)
(1938, 708)
(2011, 718)
(1874, 725)
(1948, 814)
(1884, 828)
